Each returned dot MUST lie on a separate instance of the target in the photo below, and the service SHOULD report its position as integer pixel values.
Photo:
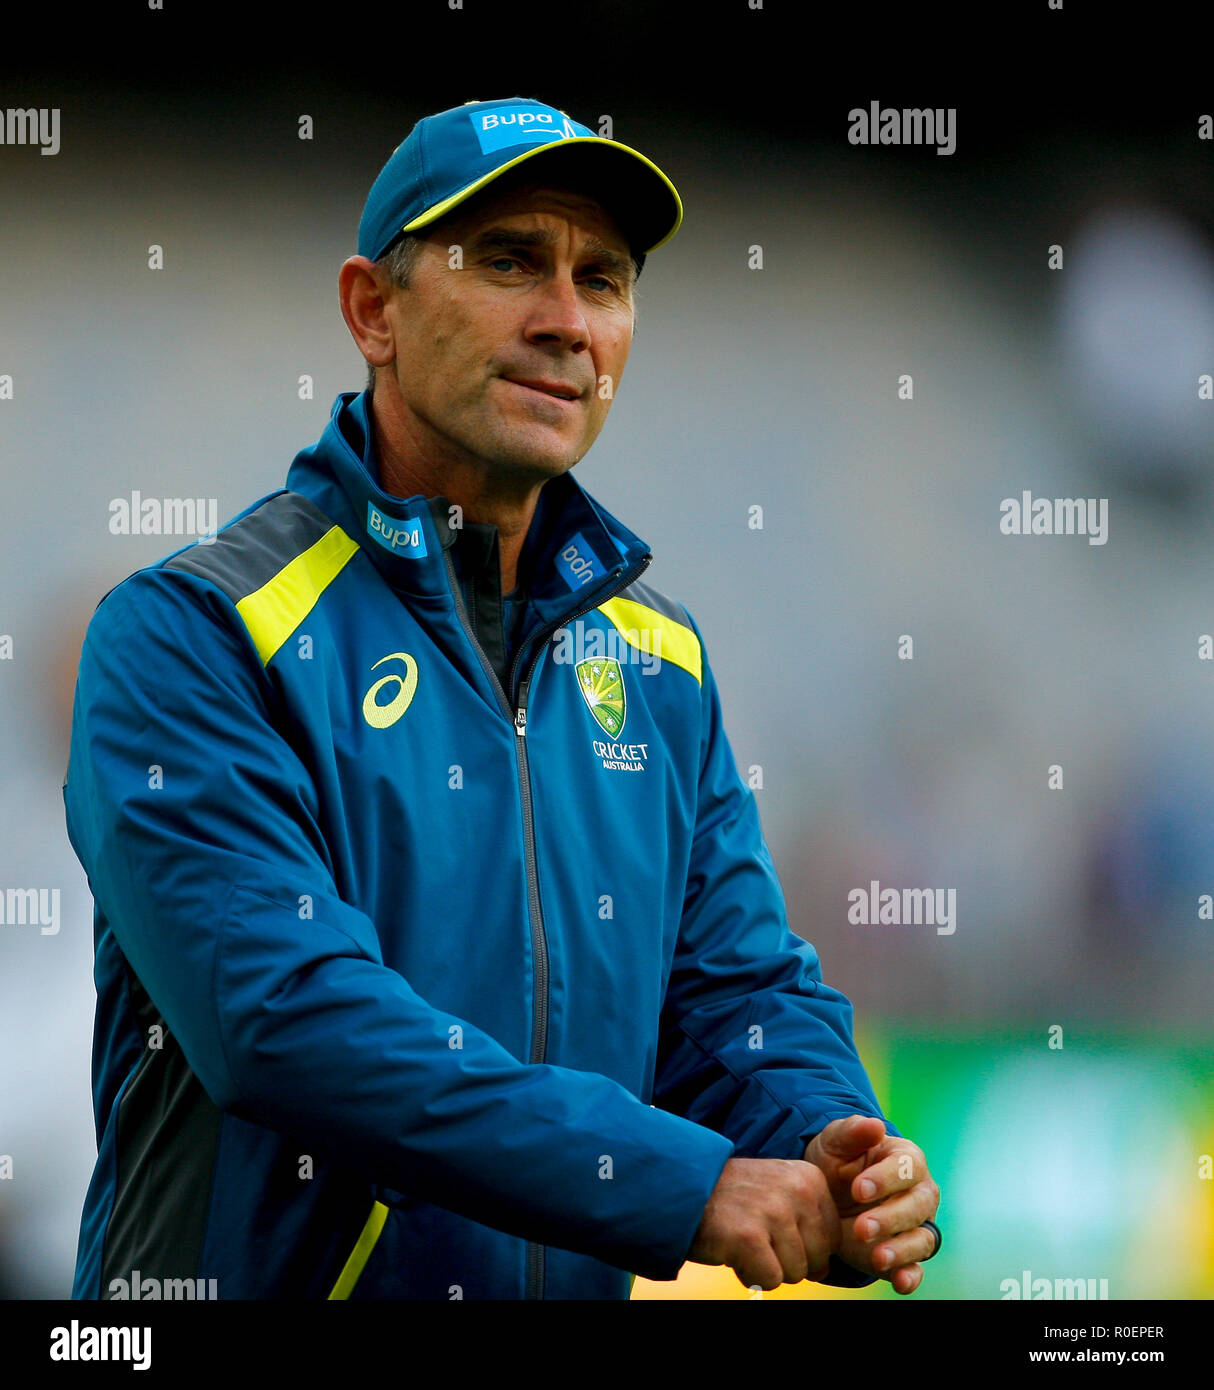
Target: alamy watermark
(82, 1342)
(633, 647)
(144, 1288)
(1027, 1287)
(164, 516)
(878, 125)
(31, 125)
(877, 906)
(34, 907)
(1027, 515)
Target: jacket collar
(574, 550)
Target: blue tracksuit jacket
(409, 985)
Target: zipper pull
(520, 721)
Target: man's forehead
(526, 205)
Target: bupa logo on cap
(522, 125)
(400, 537)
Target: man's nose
(557, 316)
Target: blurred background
(810, 278)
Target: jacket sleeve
(753, 1043)
(200, 830)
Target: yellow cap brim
(441, 209)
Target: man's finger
(907, 1279)
(901, 1212)
(894, 1173)
(902, 1250)
(849, 1138)
(760, 1267)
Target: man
(439, 953)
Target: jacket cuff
(700, 1169)
(674, 1163)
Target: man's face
(540, 308)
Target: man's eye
(603, 280)
(503, 260)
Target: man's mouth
(557, 390)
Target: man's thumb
(851, 1137)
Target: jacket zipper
(518, 717)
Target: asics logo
(381, 714)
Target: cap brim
(643, 201)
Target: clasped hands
(856, 1192)
(883, 1193)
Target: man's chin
(540, 464)
(538, 471)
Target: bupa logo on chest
(401, 537)
(577, 564)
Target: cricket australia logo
(601, 682)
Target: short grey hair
(397, 263)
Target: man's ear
(363, 292)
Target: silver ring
(935, 1230)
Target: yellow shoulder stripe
(651, 631)
(361, 1253)
(273, 612)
